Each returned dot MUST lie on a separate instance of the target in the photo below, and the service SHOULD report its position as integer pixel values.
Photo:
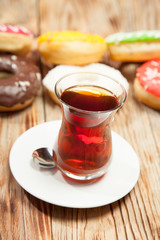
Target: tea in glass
(84, 145)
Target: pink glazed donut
(14, 39)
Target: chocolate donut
(20, 89)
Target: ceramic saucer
(49, 184)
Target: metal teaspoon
(44, 157)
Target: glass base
(87, 178)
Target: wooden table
(137, 215)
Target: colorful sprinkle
(15, 29)
(69, 36)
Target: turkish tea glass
(89, 102)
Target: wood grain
(137, 215)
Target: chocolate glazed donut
(19, 90)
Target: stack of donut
(74, 48)
(20, 79)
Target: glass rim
(87, 111)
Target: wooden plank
(22, 216)
(139, 135)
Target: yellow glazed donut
(14, 39)
(136, 46)
(71, 47)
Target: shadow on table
(73, 214)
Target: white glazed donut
(14, 39)
(56, 73)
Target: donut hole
(6, 74)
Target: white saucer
(50, 186)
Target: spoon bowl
(44, 157)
